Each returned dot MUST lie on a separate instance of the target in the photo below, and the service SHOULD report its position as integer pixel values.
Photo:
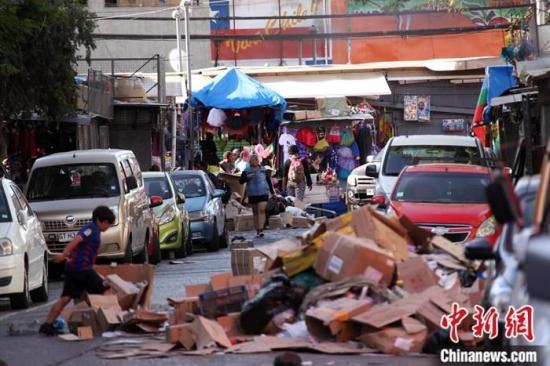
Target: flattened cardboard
(384, 314)
(456, 250)
(395, 340)
(230, 324)
(220, 280)
(416, 275)
(412, 326)
(196, 290)
(345, 256)
(103, 301)
(85, 333)
(209, 334)
(338, 222)
(133, 273)
(273, 250)
(300, 222)
(181, 333)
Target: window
(401, 156)
(191, 186)
(158, 186)
(73, 182)
(22, 201)
(5, 215)
(137, 171)
(442, 188)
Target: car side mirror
(537, 262)
(500, 200)
(181, 198)
(371, 171)
(218, 193)
(370, 158)
(155, 201)
(479, 249)
(131, 183)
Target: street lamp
(182, 11)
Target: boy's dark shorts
(78, 282)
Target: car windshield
(73, 181)
(4, 208)
(158, 186)
(441, 188)
(401, 156)
(191, 186)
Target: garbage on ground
(361, 282)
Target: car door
(217, 205)
(142, 205)
(25, 234)
(130, 206)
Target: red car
(447, 199)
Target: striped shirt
(82, 258)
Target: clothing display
(216, 117)
(286, 140)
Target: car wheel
(224, 239)
(143, 256)
(214, 245)
(181, 252)
(156, 256)
(129, 254)
(22, 299)
(41, 294)
(189, 241)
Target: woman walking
(258, 187)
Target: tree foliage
(38, 44)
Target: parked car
(174, 225)
(402, 151)
(64, 189)
(205, 206)
(153, 248)
(446, 199)
(23, 252)
(360, 187)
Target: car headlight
(167, 216)
(352, 181)
(487, 228)
(199, 215)
(6, 247)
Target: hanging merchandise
(262, 152)
(237, 120)
(216, 117)
(321, 145)
(307, 136)
(334, 135)
(346, 137)
(286, 140)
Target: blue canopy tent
(234, 89)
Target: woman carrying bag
(258, 187)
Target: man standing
(296, 174)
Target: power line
(281, 37)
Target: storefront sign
(453, 125)
(416, 108)
(409, 103)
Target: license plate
(66, 237)
(370, 192)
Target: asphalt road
(31, 349)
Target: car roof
(434, 140)
(187, 172)
(153, 174)
(446, 168)
(81, 156)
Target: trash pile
(362, 282)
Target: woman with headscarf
(258, 187)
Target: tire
(143, 256)
(129, 254)
(41, 294)
(214, 245)
(189, 241)
(224, 239)
(156, 257)
(181, 252)
(23, 299)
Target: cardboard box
(188, 305)
(85, 333)
(242, 244)
(125, 291)
(300, 222)
(133, 273)
(396, 340)
(286, 219)
(108, 319)
(416, 275)
(217, 303)
(366, 223)
(220, 281)
(244, 222)
(299, 260)
(196, 290)
(82, 317)
(230, 324)
(230, 224)
(247, 261)
(103, 301)
(182, 334)
(345, 256)
(207, 333)
(328, 319)
(275, 222)
(232, 180)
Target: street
(32, 349)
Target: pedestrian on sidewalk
(258, 186)
(80, 256)
(296, 175)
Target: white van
(64, 188)
(402, 151)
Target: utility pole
(183, 11)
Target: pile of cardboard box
(387, 284)
(121, 307)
